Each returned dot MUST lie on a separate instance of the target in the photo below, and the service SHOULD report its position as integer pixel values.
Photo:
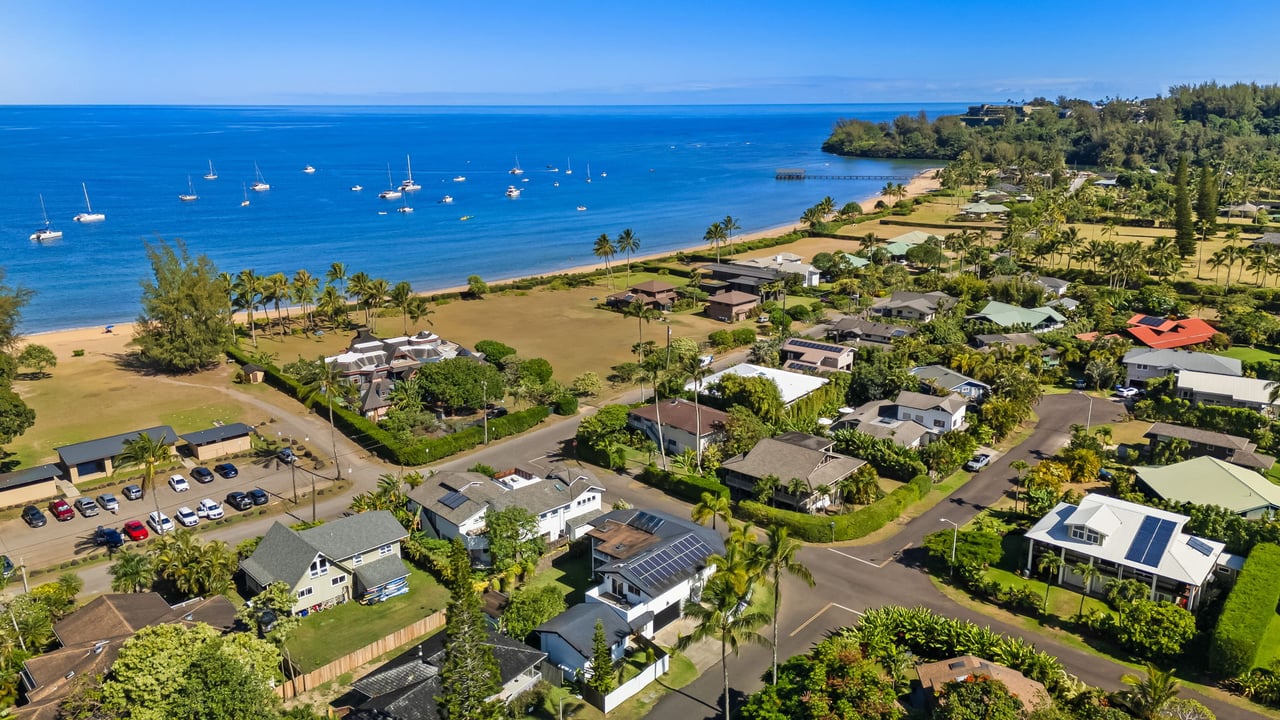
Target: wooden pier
(800, 174)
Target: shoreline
(83, 338)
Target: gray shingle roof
(577, 626)
(1173, 359)
(773, 456)
(380, 572)
(281, 556)
(919, 401)
(284, 554)
(945, 378)
(29, 476)
(482, 493)
(217, 433)
(109, 447)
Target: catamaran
(517, 170)
(259, 185)
(89, 216)
(47, 232)
(391, 193)
(408, 185)
(212, 174)
(190, 194)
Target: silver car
(108, 502)
(86, 506)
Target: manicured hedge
(849, 526)
(1248, 611)
(685, 487)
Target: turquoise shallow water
(666, 172)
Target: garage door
(666, 617)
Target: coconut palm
(730, 223)
(276, 290)
(826, 206)
(399, 298)
(1145, 697)
(329, 383)
(132, 572)
(332, 304)
(376, 296)
(248, 288)
(337, 276)
(419, 308)
(627, 243)
(694, 368)
(358, 289)
(766, 487)
(720, 616)
(1049, 564)
(778, 556)
(303, 290)
(642, 313)
(711, 507)
(715, 235)
(605, 250)
(146, 452)
(812, 217)
(1088, 572)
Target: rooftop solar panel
(645, 522)
(1159, 543)
(816, 345)
(1151, 321)
(658, 569)
(1142, 539)
(453, 500)
(1200, 546)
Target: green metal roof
(1210, 481)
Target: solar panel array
(815, 345)
(645, 522)
(1151, 321)
(671, 562)
(1200, 546)
(1151, 540)
(453, 500)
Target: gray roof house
(913, 305)
(879, 419)
(861, 330)
(29, 485)
(790, 456)
(1143, 364)
(218, 441)
(569, 638)
(96, 458)
(944, 378)
(1234, 449)
(323, 563)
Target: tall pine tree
(1206, 209)
(601, 678)
(469, 676)
(1183, 223)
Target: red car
(136, 531)
(61, 510)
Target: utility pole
(484, 408)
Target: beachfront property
(1234, 449)
(860, 330)
(787, 264)
(683, 425)
(1004, 315)
(856, 262)
(454, 504)
(807, 355)
(218, 441)
(1128, 541)
(1143, 364)
(921, 307)
(369, 358)
(940, 377)
(94, 459)
(30, 485)
(1210, 481)
(806, 467)
(792, 386)
(654, 294)
(979, 115)
(357, 556)
(732, 305)
(743, 278)
(1226, 390)
(1158, 332)
(648, 564)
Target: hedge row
(849, 526)
(1248, 611)
(685, 487)
(369, 436)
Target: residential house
(29, 485)
(732, 305)
(90, 638)
(1210, 481)
(369, 358)
(933, 676)
(922, 307)
(357, 556)
(1142, 364)
(1213, 389)
(98, 458)
(408, 687)
(1005, 315)
(791, 385)
(790, 457)
(649, 564)
(915, 237)
(219, 441)
(1057, 287)
(812, 356)
(879, 419)
(1011, 339)
(939, 414)
(860, 330)
(454, 504)
(684, 426)
(375, 399)
(568, 639)
(1234, 449)
(947, 380)
(1128, 541)
(743, 278)
(856, 262)
(654, 294)
(787, 264)
(1158, 332)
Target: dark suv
(258, 496)
(108, 538)
(239, 500)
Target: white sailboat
(569, 166)
(517, 170)
(89, 216)
(47, 232)
(391, 193)
(588, 172)
(245, 202)
(446, 199)
(212, 174)
(190, 194)
(259, 185)
(357, 188)
(408, 185)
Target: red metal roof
(1161, 333)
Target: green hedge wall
(685, 487)
(1248, 611)
(850, 526)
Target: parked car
(496, 412)
(61, 510)
(6, 565)
(108, 502)
(226, 470)
(159, 522)
(136, 531)
(179, 483)
(32, 516)
(87, 506)
(131, 492)
(186, 517)
(202, 474)
(1127, 392)
(209, 509)
(258, 496)
(238, 500)
(285, 455)
(977, 462)
(108, 538)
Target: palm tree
(1146, 696)
(303, 291)
(720, 616)
(332, 304)
(248, 289)
(358, 289)
(399, 298)
(146, 452)
(711, 507)
(419, 308)
(642, 313)
(1049, 564)
(276, 289)
(604, 249)
(798, 488)
(766, 487)
(715, 235)
(627, 243)
(1088, 572)
(778, 556)
(730, 223)
(812, 217)
(337, 276)
(695, 369)
(376, 297)
(329, 383)
(132, 572)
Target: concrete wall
(221, 449)
(29, 494)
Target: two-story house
(861, 330)
(939, 414)
(683, 425)
(921, 307)
(786, 263)
(353, 557)
(369, 358)
(806, 467)
(1143, 364)
(947, 380)
(743, 278)
(655, 294)
(812, 356)
(1213, 389)
(568, 639)
(1232, 448)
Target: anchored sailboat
(47, 232)
(190, 194)
(212, 174)
(259, 185)
(89, 216)
(391, 193)
(408, 185)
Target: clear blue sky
(629, 52)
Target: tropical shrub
(1248, 611)
(847, 526)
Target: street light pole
(955, 534)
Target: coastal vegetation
(185, 320)
(16, 417)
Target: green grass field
(570, 572)
(1251, 354)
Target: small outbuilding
(97, 458)
(219, 441)
(253, 374)
(29, 485)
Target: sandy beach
(96, 340)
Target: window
(1080, 532)
(939, 423)
(319, 566)
(385, 549)
(357, 560)
(304, 592)
(338, 580)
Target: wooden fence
(297, 683)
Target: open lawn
(1251, 354)
(326, 636)
(681, 671)
(570, 571)
(1129, 433)
(1269, 649)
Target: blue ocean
(665, 172)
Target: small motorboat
(357, 188)
(460, 178)
(446, 199)
(513, 191)
(464, 218)
(582, 208)
(405, 209)
(309, 170)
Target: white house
(649, 564)
(684, 426)
(1212, 389)
(1126, 541)
(568, 639)
(791, 385)
(454, 504)
(939, 414)
(1142, 364)
(788, 263)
